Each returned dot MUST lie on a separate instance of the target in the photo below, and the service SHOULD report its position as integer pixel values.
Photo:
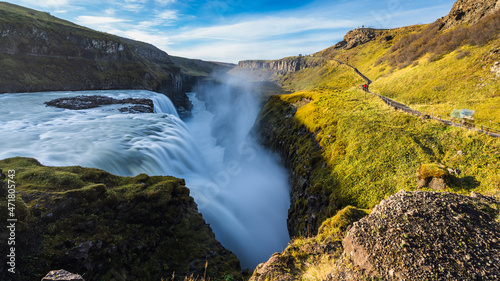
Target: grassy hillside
(434, 70)
(372, 150)
(346, 147)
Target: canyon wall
(39, 52)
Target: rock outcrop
(62, 275)
(469, 12)
(107, 227)
(86, 102)
(427, 235)
(433, 176)
(496, 69)
(42, 53)
(356, 37)
(280, 67)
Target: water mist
(246, 178)
(240, 188)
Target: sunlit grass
(373, 151)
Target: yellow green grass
(439, 87)
(373, 150)
(437, 82)
(368, 150)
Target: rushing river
(240, 188)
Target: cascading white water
(244, 197)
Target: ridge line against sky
(231, 31)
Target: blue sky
(231, 31)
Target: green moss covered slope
(106, 227)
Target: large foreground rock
(62, 275)
(428, 236)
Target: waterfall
(243, 197)
(163, 104)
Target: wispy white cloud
(97, 21)
(160, 40)
(48, 3)
(261, 28)
(110, 12)
(163, 18)
(168, 15)
(165, 2)
(136, 8)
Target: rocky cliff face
(302, 155)
(469, 12)
(42, 53)
(106, 227)
(282, 66)
(356, 37)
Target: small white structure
(463, 114)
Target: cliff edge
(103, 226)
(266, 70)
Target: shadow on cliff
(311, 178)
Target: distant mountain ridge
(463, 12)
(39, 52)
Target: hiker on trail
(366, 87)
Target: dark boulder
(428, 236)
(62, 275)
(86, 102)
